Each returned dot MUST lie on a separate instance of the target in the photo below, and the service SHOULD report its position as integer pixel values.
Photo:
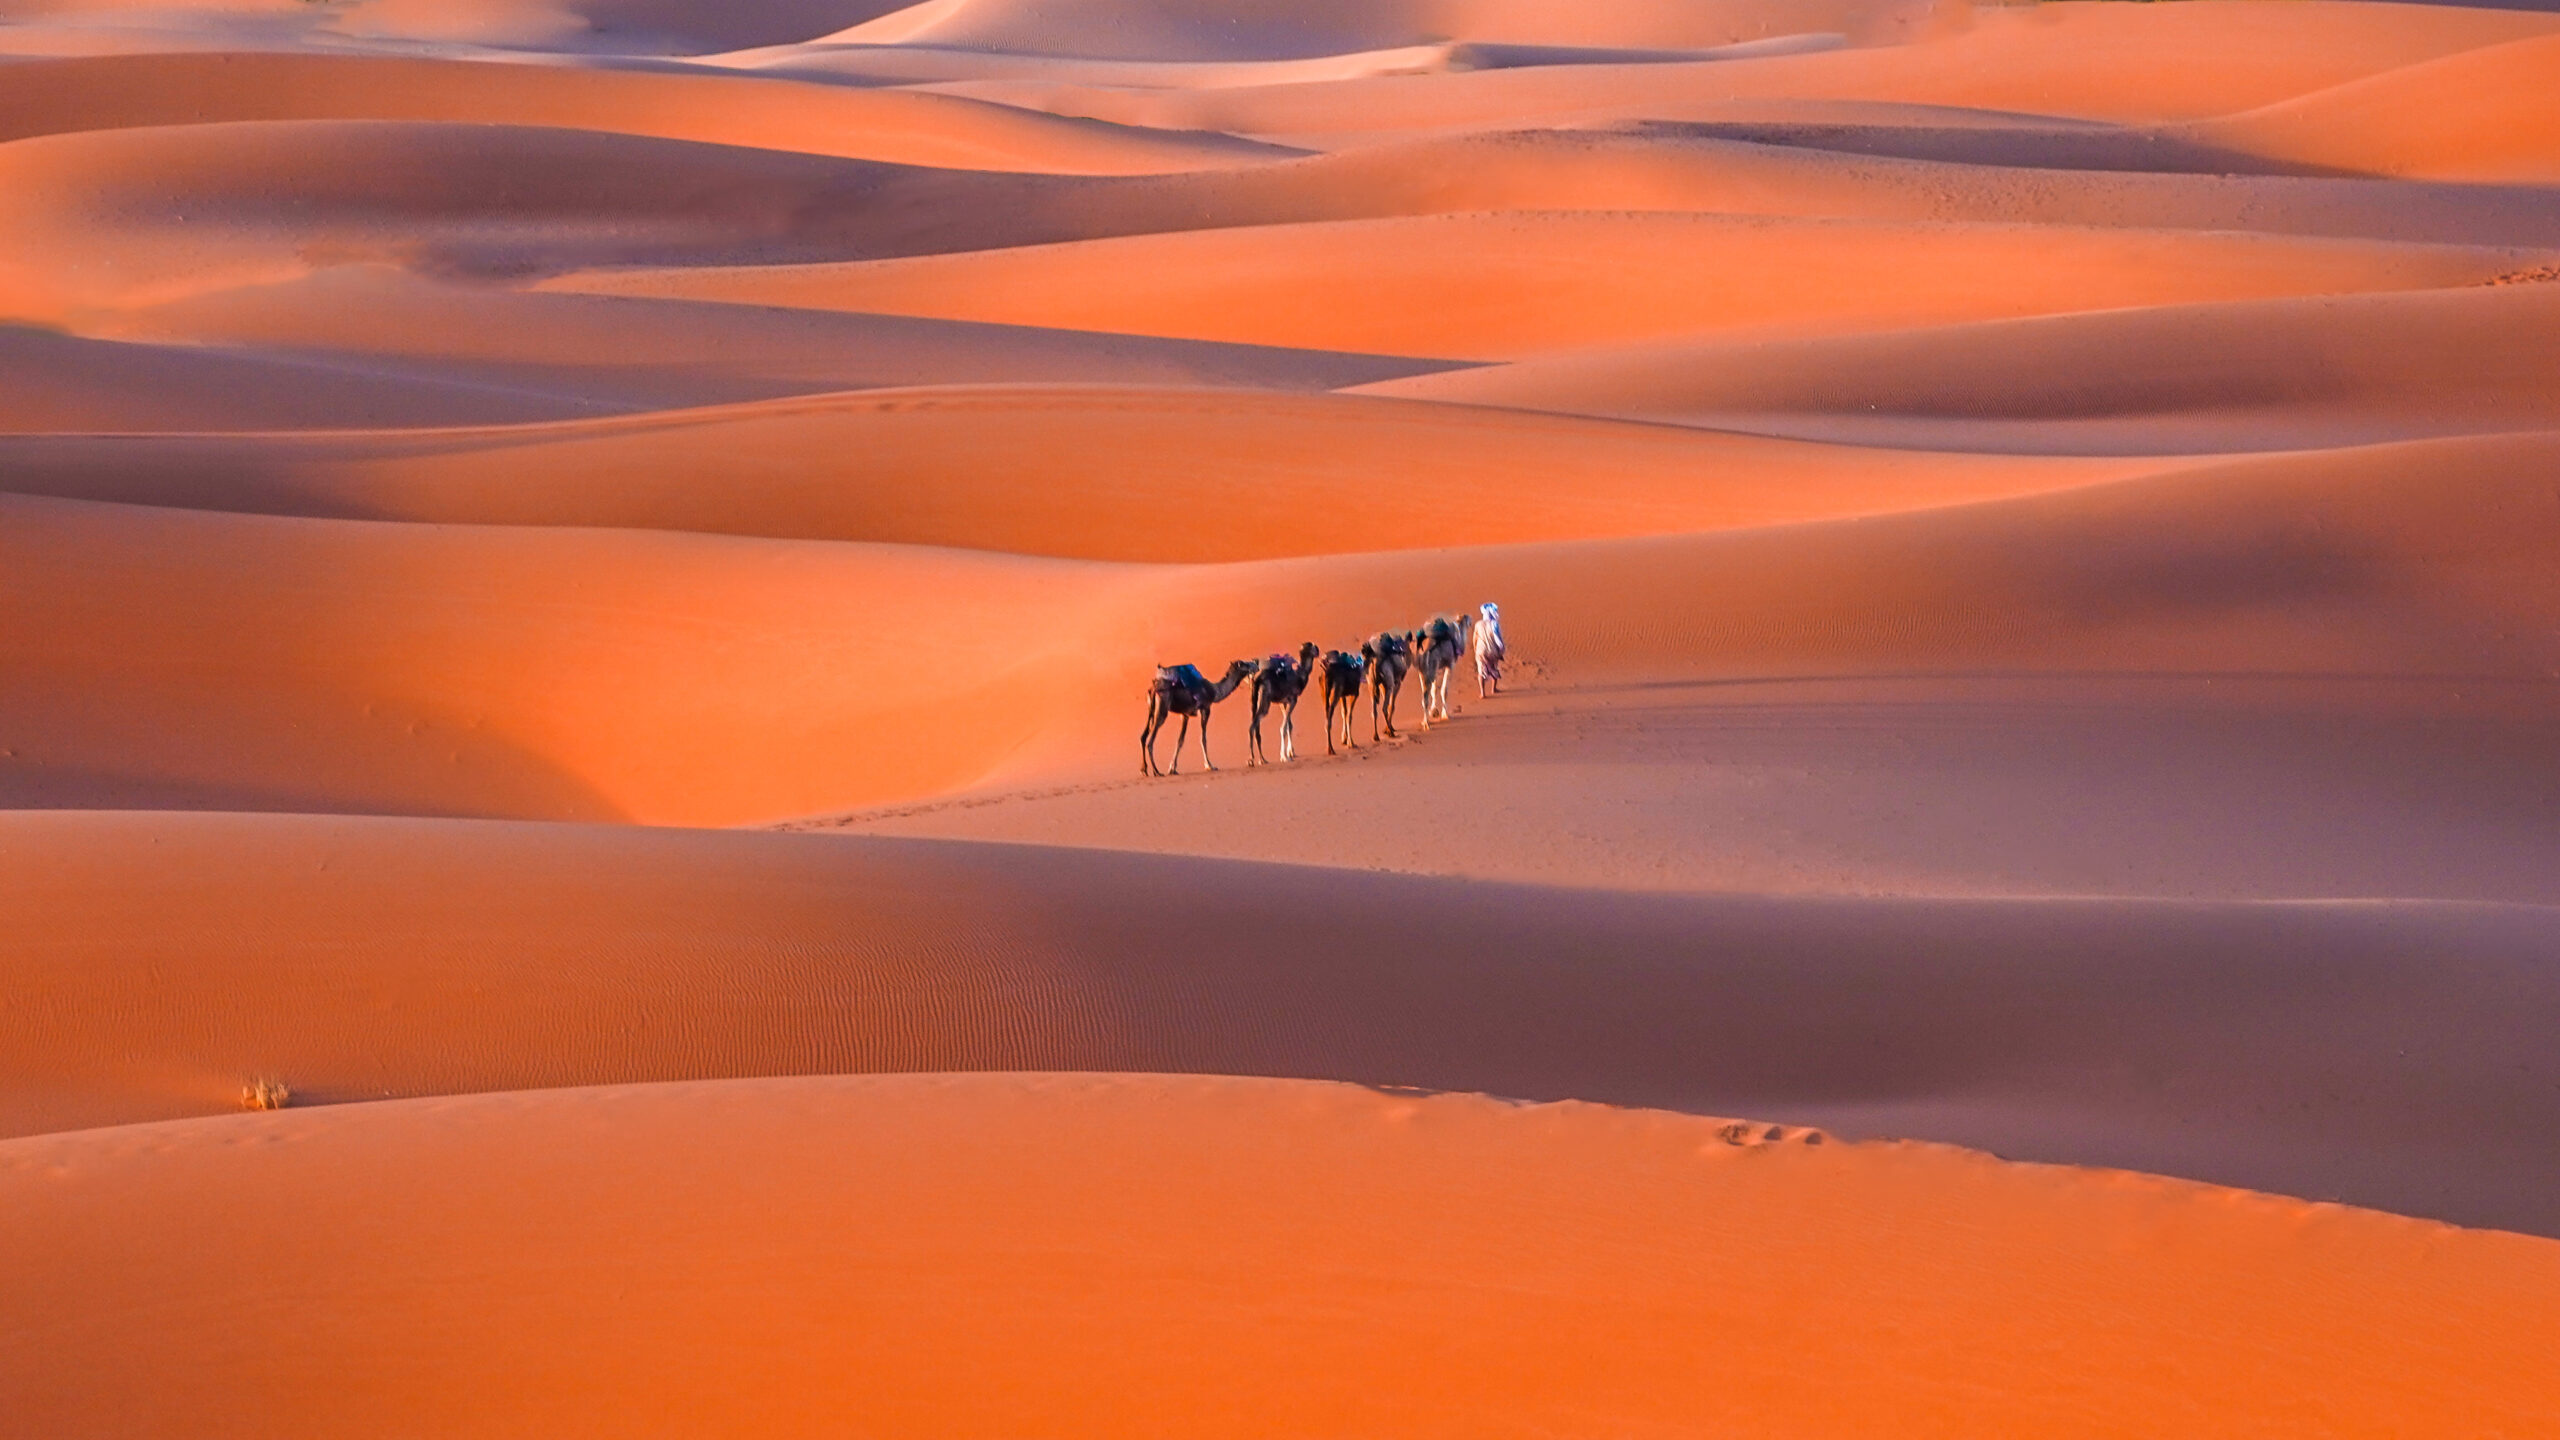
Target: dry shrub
(265, 1094)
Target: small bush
(264, 1094)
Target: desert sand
(577, 578)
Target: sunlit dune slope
(2488, 115)
(1208, 30)
(170, 657)
(182, 210)
(98, 222)
(1133, 1255)
(606, 26)
(576, 673)
(2089, 61)
(1101, 473)
(645, 27)
(105, 220)
(2240, 375)
(909, 127)
(1490, 287)
(587, 354)
(1035, 82)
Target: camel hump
(1181, 674)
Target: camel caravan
(1280, 680)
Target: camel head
(1237, 674)
(1307, 654)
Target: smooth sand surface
(2387, 1052)
(170, 657)
(1496, 287)
(1080, 471)
(2086, 61)
(138, 91)
(1080, 1255)
(621, 543)
(2241, 375)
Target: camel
(1488, 649)
(1182, 690)
(1341, 674)
(1280, 681)
(1390, 655)
(1437, 646)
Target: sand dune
(189, 210)
(2025, 533)
(1489, 287)
(2258, 374)
(2483, 115)
(907, 127)
(2224, 786)
(1038, 77)
(610, 26)
(366, 345)
(645, 27)
(1112, 1256)
(618, 353)
(170, 657)
(244, 662)
(2084, 61)
(1083, 472)
(1193, 30)
(2290, 1047)
(186, 210)
(67, 383)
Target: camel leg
(1204, 742)
(1289, 733)
(1179, 737)
(1147, 737)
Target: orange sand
(1126, 1255)
(565, 543)
(168, 960)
